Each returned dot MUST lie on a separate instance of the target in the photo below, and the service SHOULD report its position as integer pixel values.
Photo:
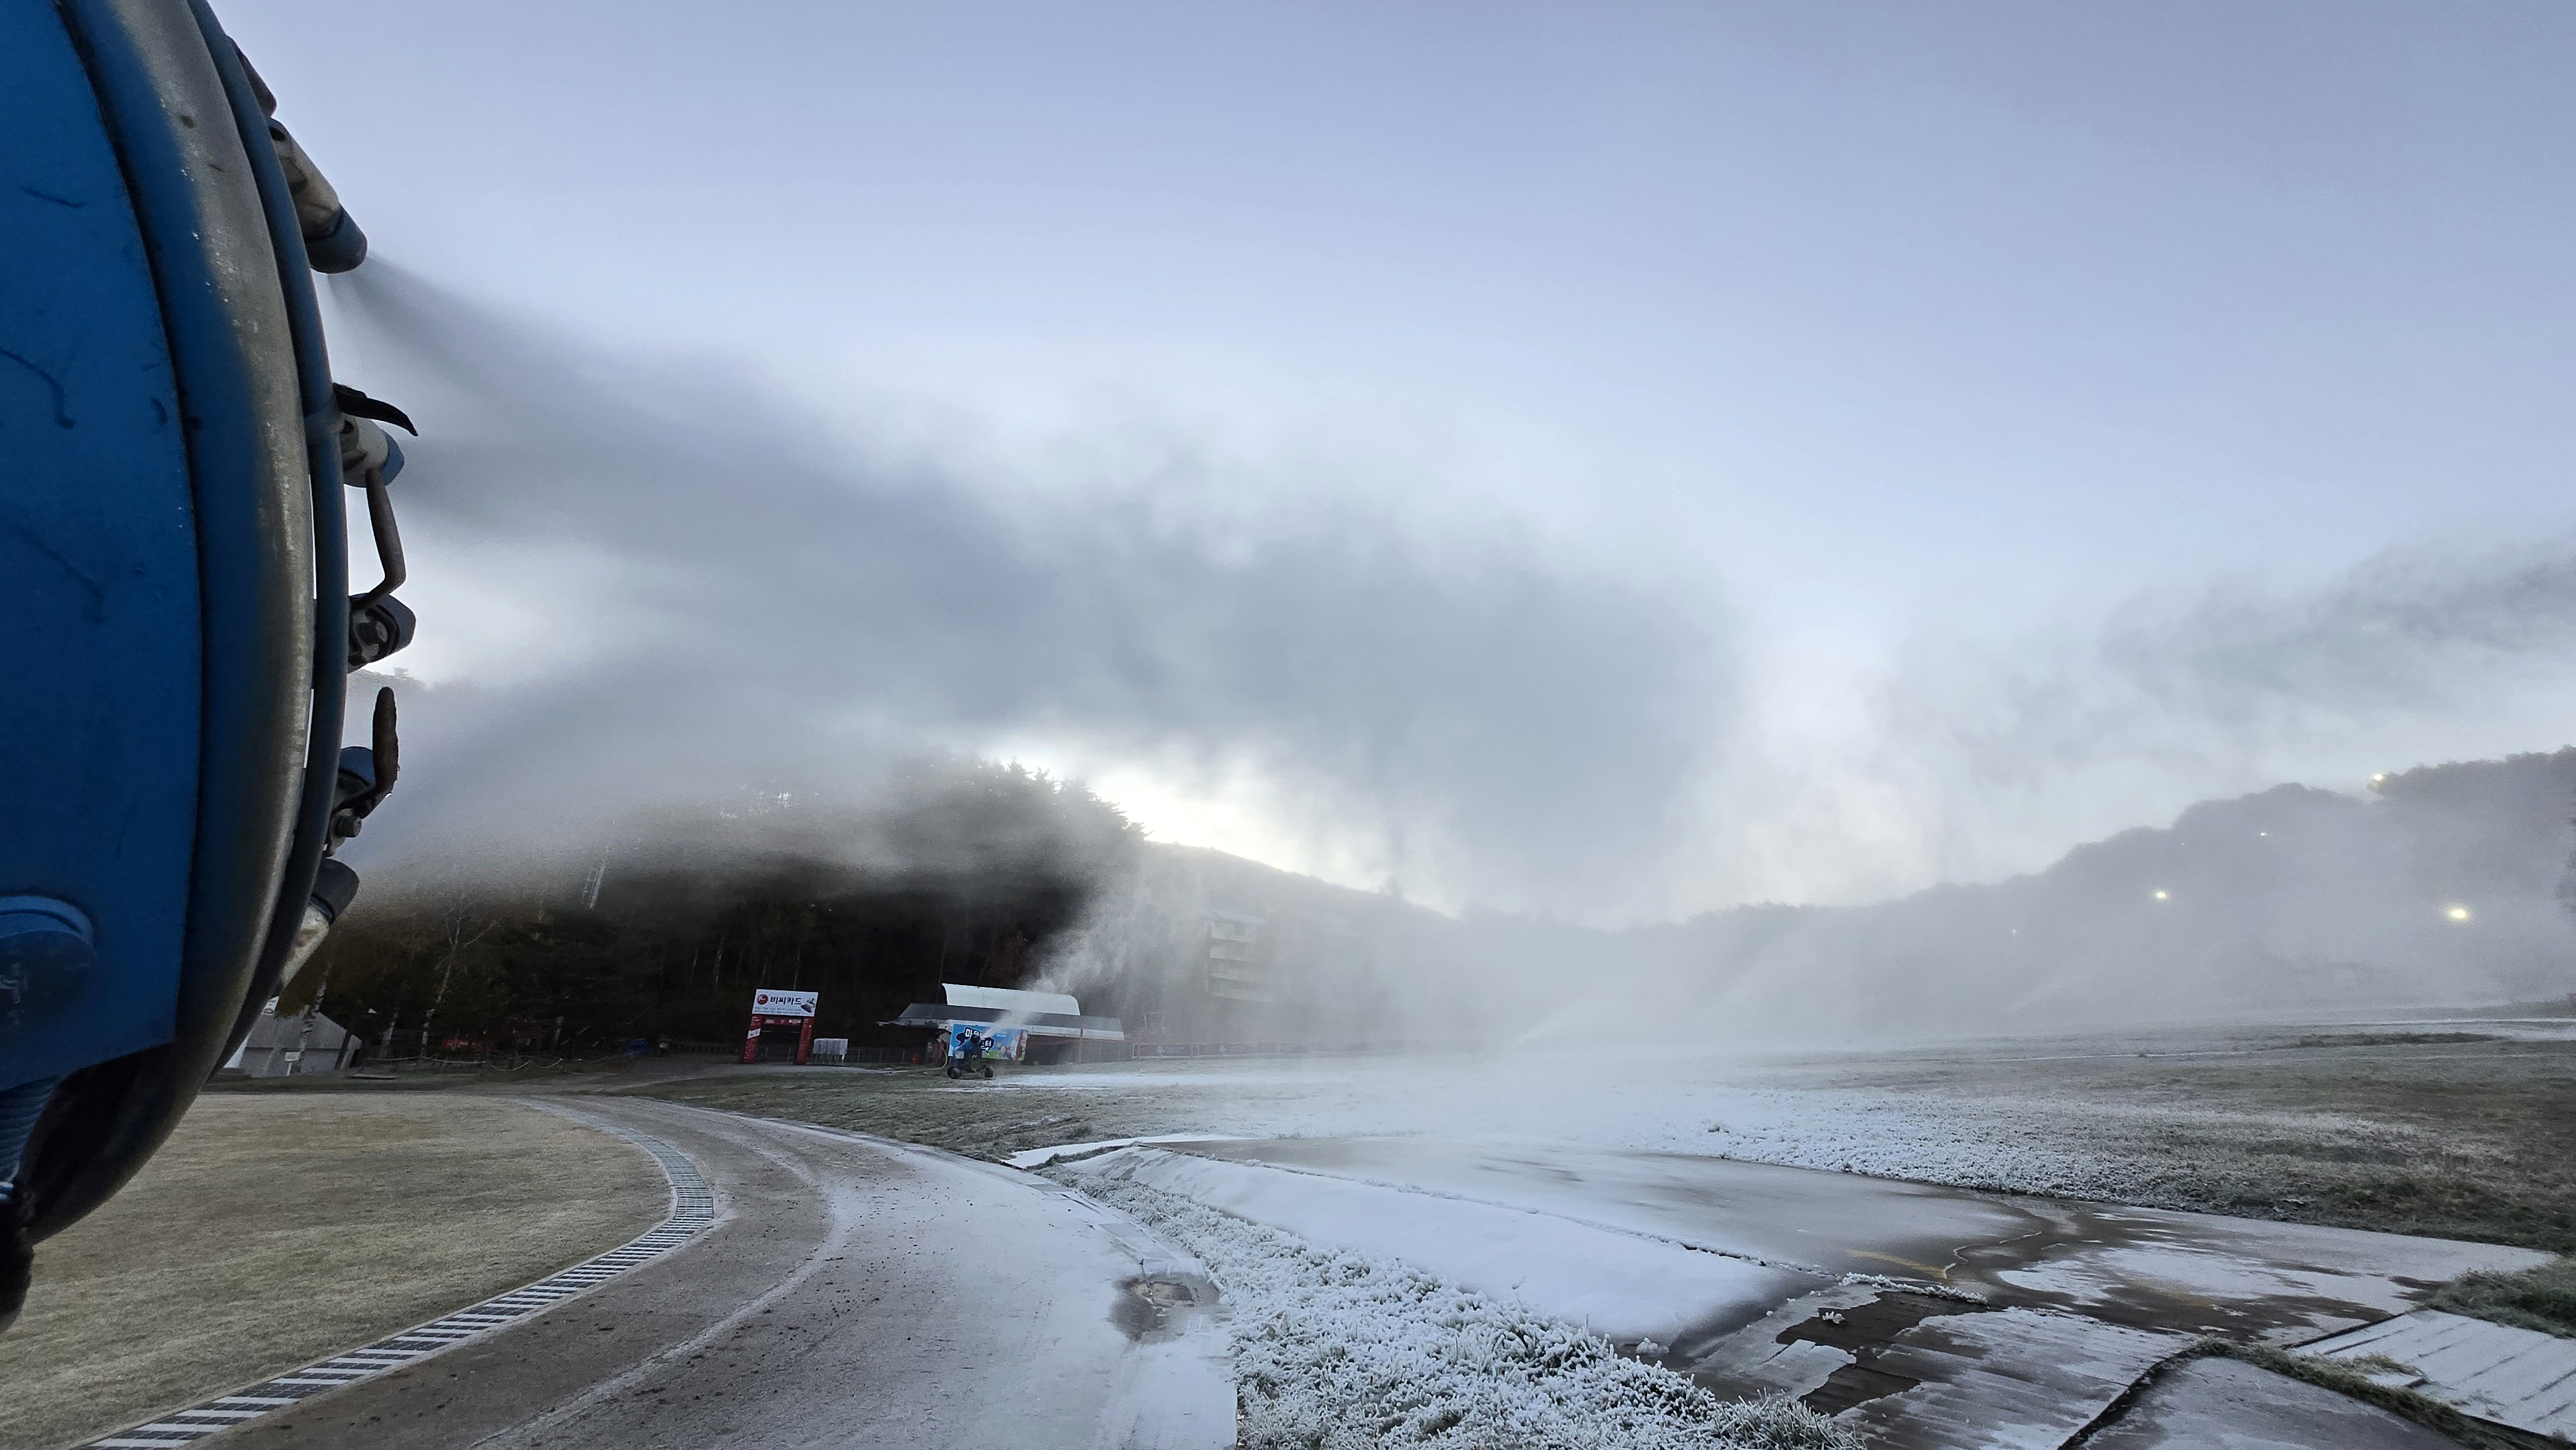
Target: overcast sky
(2006, 403)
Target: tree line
(962, 872)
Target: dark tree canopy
(959, 873)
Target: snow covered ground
(2457, 1129)
(1627, 1287)
(2022, 1144)
(1387, 1319)
(2416, 1136)
(1334, 1349)
(1920, 1317)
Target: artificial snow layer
(1336, 1350)
(1035, 1158)
(2038, 1144)
(2011, 1379)
(1626, 1287)
(2308, 1280)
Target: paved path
(852, 1293)
(2517, 1377)
(2221, 1404)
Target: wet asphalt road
(852, 1293)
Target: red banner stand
(804, 1037)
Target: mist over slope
(2442, 887)
(945, 870)
(2446, 885)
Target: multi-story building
(1240, 964)
(1200, 947)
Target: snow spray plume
(2390, 887)
(2418, 655)
(2436, 886)
(755, 611)
(745, 603)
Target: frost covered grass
(2473, 1139)
(2542, 1298)
(1333, 1350)
(2456, 1134)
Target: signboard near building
(770, 1002)
(774, 1010)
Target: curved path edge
(692, 1211)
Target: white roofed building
(1006, 1000)
(1023, 1026)
(300, 1042)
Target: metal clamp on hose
(367, 775)
(332, 241)
(370, 459)
(334, 887)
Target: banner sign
(1001, 1044)
(771, 1003)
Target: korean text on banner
(768, 1002)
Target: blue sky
(1875, 333)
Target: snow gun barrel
(175, 615)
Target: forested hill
(2439, 886)
(956, 871)
(2443, 885)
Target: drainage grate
(692, 1209)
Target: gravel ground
(276, 1229)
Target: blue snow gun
(176, 622)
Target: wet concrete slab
(2145, 1268)
(2517, 1377)
(1934, 1372)
(2020, 1378)
(2226, 1404)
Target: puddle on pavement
(1864, 1331)
(2121, 1267)
(1152, 1308)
